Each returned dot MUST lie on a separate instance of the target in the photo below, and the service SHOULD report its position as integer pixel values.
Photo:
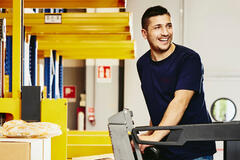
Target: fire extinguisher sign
(104, 74)
(69, 92)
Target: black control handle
(180, 134)
(175, 137)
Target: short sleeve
(139, 69)
(190, 75)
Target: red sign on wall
(104, 74)
(69, 92)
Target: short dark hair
(151, 12)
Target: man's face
(159, 33)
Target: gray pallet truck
(121, 126)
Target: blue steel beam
(8, 61)
(47, 75)
(60, 77)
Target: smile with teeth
(163, 39)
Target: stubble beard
(159, 49)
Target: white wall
(103, 96)
(133, 97)
(212, 28)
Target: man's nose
(164, 31)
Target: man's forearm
(173, 115)
(150, 132)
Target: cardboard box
(14, 150)
(25, 149)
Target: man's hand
(146, 138)
(148, 133)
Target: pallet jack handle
(180, 134)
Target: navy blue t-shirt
(159, 80)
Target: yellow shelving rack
(67, 3)
(79, 36)
(89, 143)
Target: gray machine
(121, 127)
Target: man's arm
(148, 133)
(172, 116)
(174, 112)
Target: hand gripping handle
(175, 137)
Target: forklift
(122, 130)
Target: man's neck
(158, 56)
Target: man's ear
(144, 33)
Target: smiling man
(171, 78)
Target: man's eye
(156, 27)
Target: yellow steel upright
(17, 39)
(55, 111)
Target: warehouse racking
(78, 36)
